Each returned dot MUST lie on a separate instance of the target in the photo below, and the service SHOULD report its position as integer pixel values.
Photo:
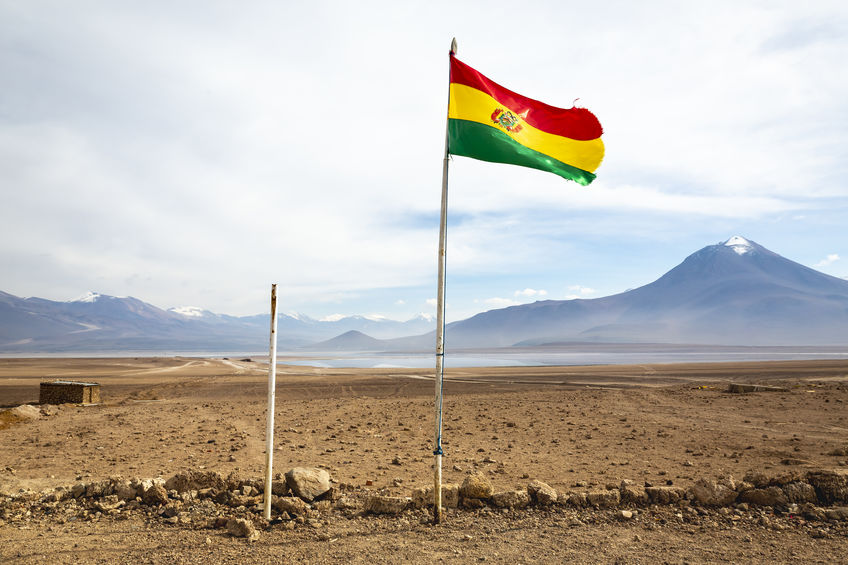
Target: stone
(423, 497)
(78, 490)
(511, 499)
(665, 494)
(195, 480)
(541, 493)
(757, 479)
(714, 493)
(831, 486)
(155, 495)
(24, 412)
(97, 489)
(771, 496)
(632, 493)
(837, 514)
(308, 482)
(378, 504)
(476, 485)
(625, 515)
(290, 504)
(799, 492)
(241, 528)
(125, 490)
(575, 499)
(603, 498)
(170, 511)
(472, 503)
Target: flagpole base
(437, 489)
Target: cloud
(531, 293)
(829, 260)
(170, 158)
(578, 291)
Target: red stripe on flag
(574, 123)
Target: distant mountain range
(732, 293)
(97, 322)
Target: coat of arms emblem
(507, 120)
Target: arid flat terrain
(372, 429)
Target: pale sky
(192, 153)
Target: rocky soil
(168, 468)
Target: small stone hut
(63, 392)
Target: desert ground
(574, 428)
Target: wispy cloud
(829, 260)
(577, 291)
(531, 293)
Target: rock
(511, 499)
(290, 504)
(24, 412)
(472, 503)
(279, 488)
(812, 513)
(838, 514)
(423, 497)
(831, 486)
(308, 482)
(799, 492)
(345, 503)
(715, 493)
(632, 493)
(125, 490)
(575, 499)
(195, 480)
(756, 479)
(237, 499)
(839, 452)
(541, 493)
(625, 515)
(771, 496)
(476, 485)
(665, 494)
(170, 511)
(78, 490)
(378, 504)
(155, 495)
(241, 528)
(603, 498)
(98, 488)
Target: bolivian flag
(488, 122)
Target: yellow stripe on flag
(467, 103)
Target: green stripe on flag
(486, 143)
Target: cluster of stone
(795, 492)
(306, 496)
(189, 497)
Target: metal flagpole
(272, 385)
(440, 329)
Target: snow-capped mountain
(736, 292)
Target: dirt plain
(372, 429)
